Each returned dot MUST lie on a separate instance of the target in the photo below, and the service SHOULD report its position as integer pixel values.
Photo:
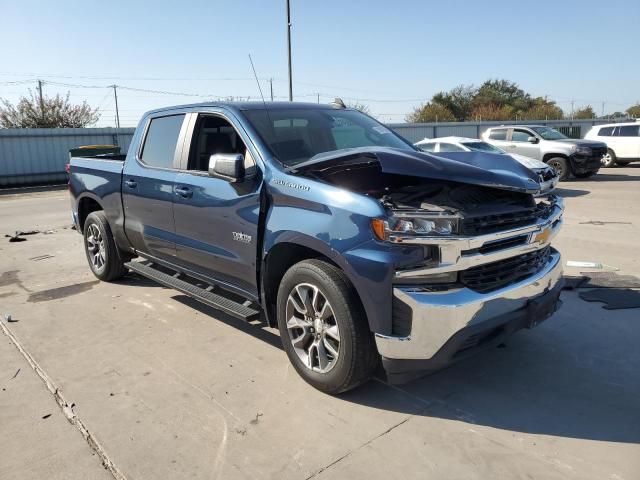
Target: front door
(216, 221)
(520, 144)
(148, 189)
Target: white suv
(622, 139)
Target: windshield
(482, 147)
(548, 133)
(295, 135)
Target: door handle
(131, 183)
(184, 192)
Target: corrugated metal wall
(418, 131)
(31, 156)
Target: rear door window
(498, 134)
(161, 140)
(629, 130)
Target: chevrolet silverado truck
(319, 220)
(565, 155)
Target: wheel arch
(86, 205)
(283, 255)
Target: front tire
(561, 166)
(105, 260)
(609, 159)
(323, 327)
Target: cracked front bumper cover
(448, 325)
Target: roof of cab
(239, 106)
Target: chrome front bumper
(438, 316)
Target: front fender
(337, 226)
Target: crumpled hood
(475, 168)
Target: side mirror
(532, 139)
(228, 166)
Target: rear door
(628, 142)
(148, 187)
(216, 221)
(519, 143)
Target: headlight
(586, 151)
(415, 224)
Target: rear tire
(609, 159)
(561, 166)
(323, 327)
(104, 257)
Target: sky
(391, 56)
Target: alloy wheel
(96, 247)
(313, 330)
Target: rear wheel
(609, 159)
(323, 328)
(105, 260)
(561, 166)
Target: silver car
(566, 155)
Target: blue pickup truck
(323, 222)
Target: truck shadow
(570, 192)
(574, 379)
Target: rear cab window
(161, 139)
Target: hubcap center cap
(318, 325)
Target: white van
(622, 139)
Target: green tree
(584, 113)
(492, 111)
(503, 93)
(431, 112)
(458, 100)
(54, 112)
(634, 111)
(543, 109)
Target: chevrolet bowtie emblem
(542, 237)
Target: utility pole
(603, 109)
(41, 99)
(571, 109)
(289, 50)
(318, 98)
(271, 86)
(115, 96)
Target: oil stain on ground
(61, 292)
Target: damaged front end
(486, 267)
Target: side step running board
(214, 300)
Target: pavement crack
(359, 447)
(65, 407)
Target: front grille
(495, 275)
(484, 224)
